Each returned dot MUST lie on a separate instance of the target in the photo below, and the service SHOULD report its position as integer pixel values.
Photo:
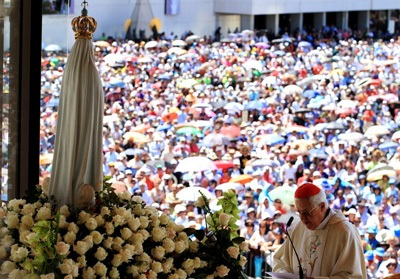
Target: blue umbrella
(309, 94)
(318, 153)
(53, 102)
(271, 140)
(388, 145)
(164, 127)
(254, 105)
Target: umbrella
(302, 144)
(223, 164)
(396, 136)
(304, 44)
(270, 80)
(292, 90)
(151, 44)
(231, 131)
(351, 136)
(379, 171)
(219, 104)
(179, 43)
(133, 151)
(187, 83)
(102, 44)
(260, 163)
(334, 126)
(177, 50)
(164, 127)
(318, 153)
(296, 128)
(202, 106)
(191, 194)
(383, 235)
(192, 38)
(234, 106)
(262, 45)
(46, 159)
(77, 169)
(195, 164)
(376, 130)
(271, 139)
(310, 79)
(189, 131)
(224, 187)
(254, 105)
(53, 47)
(155, 23)
(215, 139)
(136, 136)
(242, 179)
(113, 58)
(154, 163)
(347, 104)
(388, 145)
(53, 102)
(284, 193)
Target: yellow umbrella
(155, 22)
(302, 144)
(377, 175)
(136, 136)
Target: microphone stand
(301, 273)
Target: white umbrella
(53, 47)
(292, 89)
(195, 164)
(179, 43)
(352, 136)
(376, 130)
(151, 44)
(230, 185)
(215, 139)
(193, 193)
(77, 169)
(234, 106)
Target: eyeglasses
(391, 264)
(307, 213)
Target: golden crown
(84, 25)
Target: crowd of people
(268, 115)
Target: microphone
(301, 274)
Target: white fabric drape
(78, 146)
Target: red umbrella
(231, 131)
(223, 164)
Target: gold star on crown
(84, 25)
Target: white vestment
(333, 250)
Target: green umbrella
(189, 131)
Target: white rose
(137, 199)
(211, 276)
(83, 217)
(156, 266)
(144, 257)
(117, 260)
(82, 261)
(125, 196)
(145, 234)
(100, 269)
(134, 224)
(7, 241)
(144, 222)
(169, 245)
(119, 220)
(63, 224)
(127, 253)
(18, 253)
(48, 276)
(91, 224)
(155, 222)
(109, 228)
(114, 273)
(188, 265)
(100, 220)
(224, 219)
(158, 252)
(64, 210)
(244, 246)
(164, 219)
(158, 233)
(126, 233)
(100, 254)
(7, 267)
(193, 246)
(89, 240)
(181, 273)
(180, 246)
(121, 211)
(23, 236)
(3, 253)
(12, 220)
(200, 202)
(44, 213)
(108, 242)
(72, 227)
(167, 265)
(152, 275)
(233, 252)
(105, 211)
(242, 260)
(222, 270)
(81, 247)
(16, 205)
(69, 276)
(62, 248)
(97, 237)
(70, 238)
(89, 273)
(4, 231)
(28, 209)
(65, 267)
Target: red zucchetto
(306, 190)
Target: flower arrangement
(120, 237)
